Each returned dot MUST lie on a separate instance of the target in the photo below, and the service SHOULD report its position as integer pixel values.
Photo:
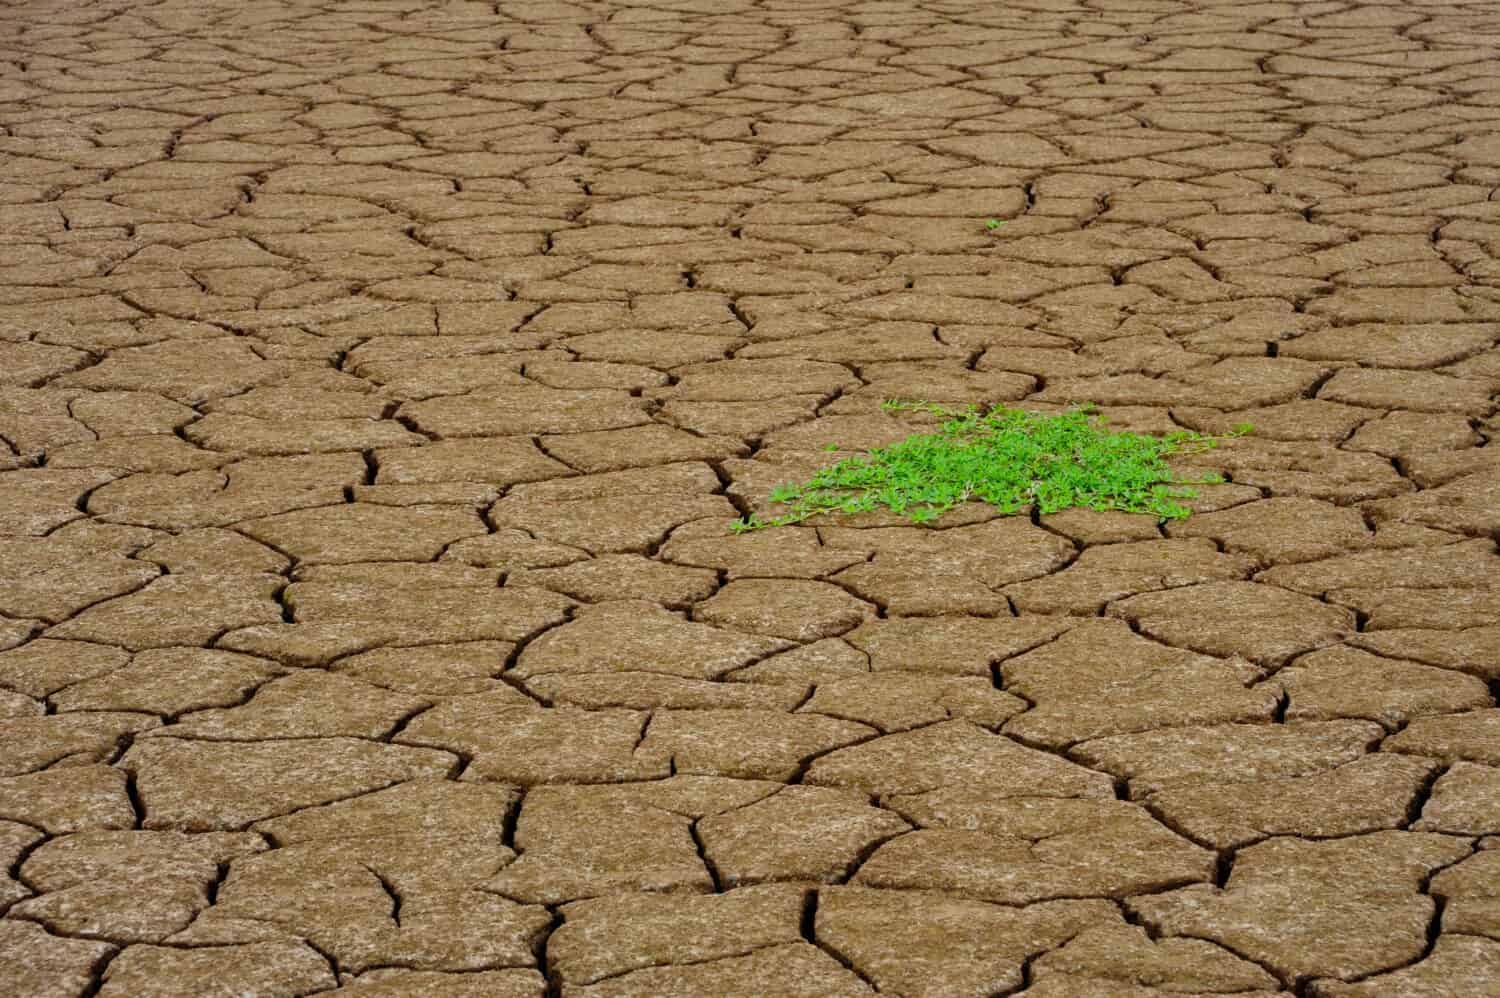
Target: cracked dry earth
(381, 379)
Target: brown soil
(379, 380)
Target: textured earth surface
(379, 381)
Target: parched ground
(379, 380)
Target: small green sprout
(993, 224)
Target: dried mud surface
(379, 380)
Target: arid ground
(382, 378)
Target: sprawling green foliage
(1007, 457)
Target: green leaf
(1009, 458)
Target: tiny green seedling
(993, 224)
(1009, 458)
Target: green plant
(1007, 457)
(993, 224)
